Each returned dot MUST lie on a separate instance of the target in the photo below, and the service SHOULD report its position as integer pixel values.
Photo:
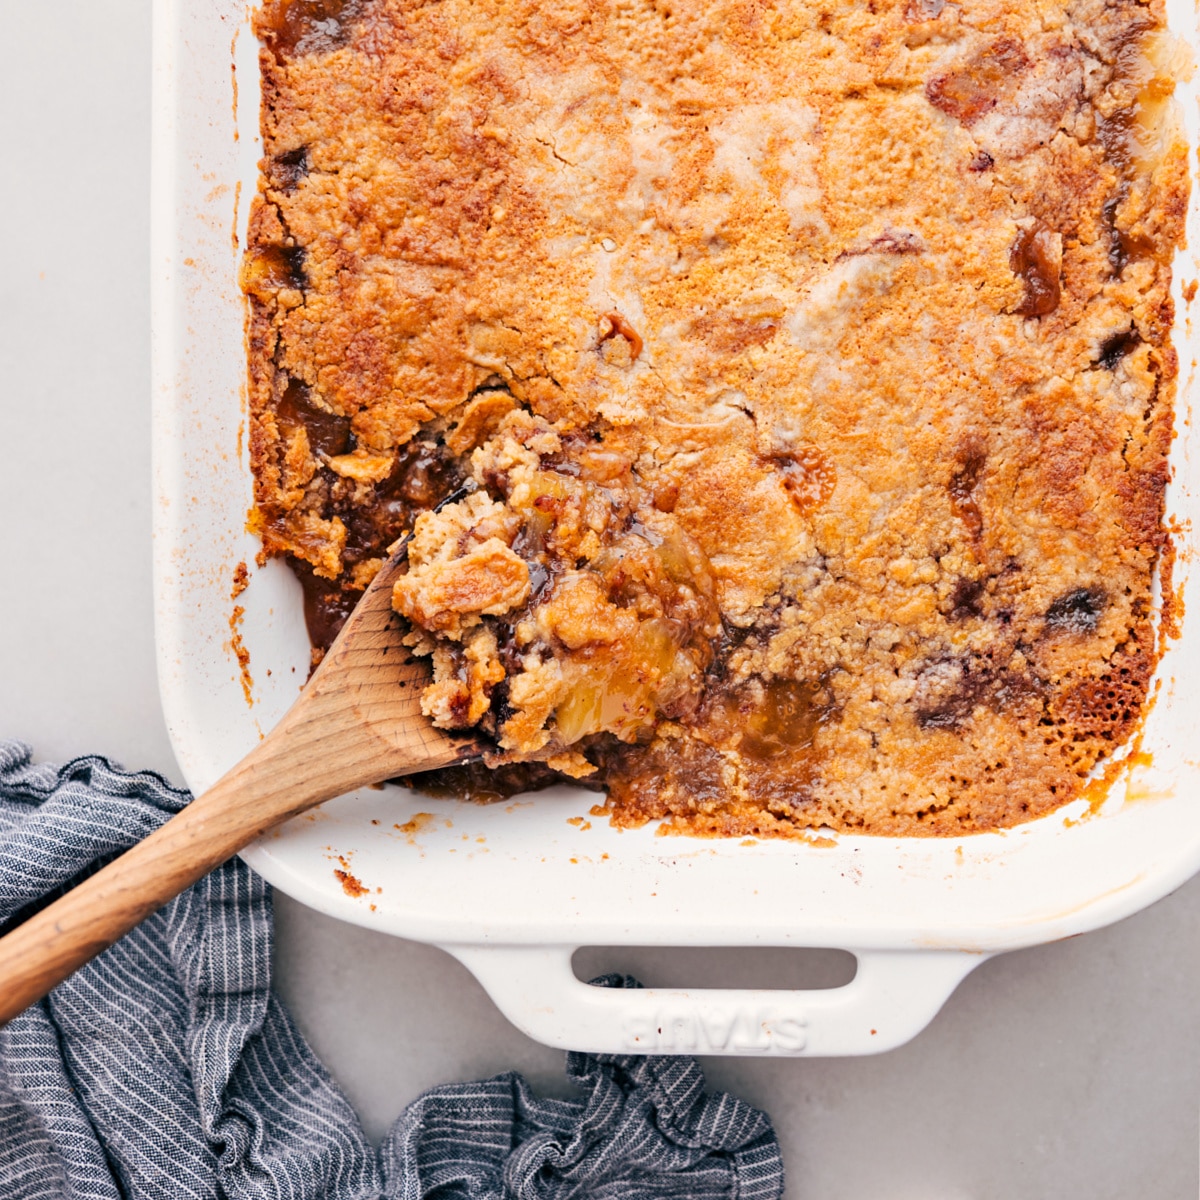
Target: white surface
(1066, 1070)
(511, 890)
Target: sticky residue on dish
(414, 825)
(351, 884)
(237, 646)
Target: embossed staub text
(677, 1029)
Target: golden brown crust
(810, 365)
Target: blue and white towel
(168, 1070)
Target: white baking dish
(512, 890)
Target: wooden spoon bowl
(357, 721)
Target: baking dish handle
(892, 997)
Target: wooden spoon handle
(358, 721)
(42, 952)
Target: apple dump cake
(778, 393)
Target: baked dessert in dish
(778, 394)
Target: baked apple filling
(557, 601)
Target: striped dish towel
(168, 1070)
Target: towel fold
(167, 1069)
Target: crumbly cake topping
(792, 383)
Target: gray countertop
(1068, 1070)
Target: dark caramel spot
(1118, 254)
(485, 784)
(424, 475)
(764, 721)
(615, 325)
(1116, 134)
(327, 432)
(982, 161)
(965, 599)
(1076, 612)
(327, 604)
(308, 26)
(971, 91)
(785, 719)
(1036, 259)
(1116, 347)
(268, 270)
(1123, 247)
(666, 497)
(963, 483)
(285, 171)
(809, 478)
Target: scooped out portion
(778, 395)
(604, 613)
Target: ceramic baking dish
(513, 889)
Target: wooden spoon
(357, 721)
